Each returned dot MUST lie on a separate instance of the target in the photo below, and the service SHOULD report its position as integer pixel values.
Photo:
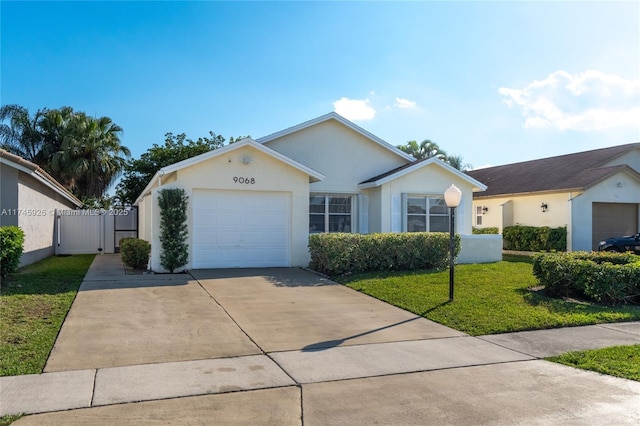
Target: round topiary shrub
(135, 252)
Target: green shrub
(341, 253)
(135, 252)
(173, 228)
(11, 246)
(610, 278)
(488, 230)
(532, 238)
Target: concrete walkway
(443, 378)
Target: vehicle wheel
(611, 249)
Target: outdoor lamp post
(452, 198)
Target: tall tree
(457, 162)
(91, 156)
(82, 153)
(426, 149)
(20, 133)
(139, 172)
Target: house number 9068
(244, 180)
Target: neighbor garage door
(235, 229)
(613, 220)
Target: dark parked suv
(621, 244)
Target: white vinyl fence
(93, 230)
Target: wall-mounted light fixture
(247, 159)
(544, 207)
(485, 209)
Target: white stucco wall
(217, 173)
(480, 249)
(632, 159)
(38, 226)
(607, 191)
(429, 180)
(344, 156)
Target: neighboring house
(595, 194)
(254, 203)
(29, 198)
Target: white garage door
(240, 229)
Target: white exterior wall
(428, 180)
(527, 210)
(344, 156)
(480, 249)
(218, 173)
(606, 191)
(38, 228)
(632, 159)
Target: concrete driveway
(285, 346)
(222, 313)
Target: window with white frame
(479, 213)
(427, 214)
(330, 213)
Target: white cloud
(591, 100)
(404, 103)
(354, 109)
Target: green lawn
(619, 361)
(33, 304)
(489, 298)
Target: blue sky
(495, 82)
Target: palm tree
(426, 149)
(20, 133)
(91, 156)
(457, 162)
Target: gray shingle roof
(571, 171)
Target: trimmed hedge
(342, 253)
(135, 252)
(488, 230)
(532, 238)
(11, 246)
(609, 278)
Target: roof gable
(566, 172)
(314, 176)
(411, 167)
(337, 117)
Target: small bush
(610, 278)
(532, 238)
(135, 252)
(341, 253)
(488, 230)
(11, 246)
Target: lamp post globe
(452, 197)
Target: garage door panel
(613, 220)
(240, 229)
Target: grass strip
(619, 361)
(33, 305)
(490, 298)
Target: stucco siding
(433, 180)
(607, 191)
(8, 195)
(344, 156)
(632, 159)
(261, 171)
(39, 224)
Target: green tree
(457, 162)
(173, 228)
(20, 132)
(425, 149)
(82, 153)
(139, 172)
(428, 149)
(91, 156)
